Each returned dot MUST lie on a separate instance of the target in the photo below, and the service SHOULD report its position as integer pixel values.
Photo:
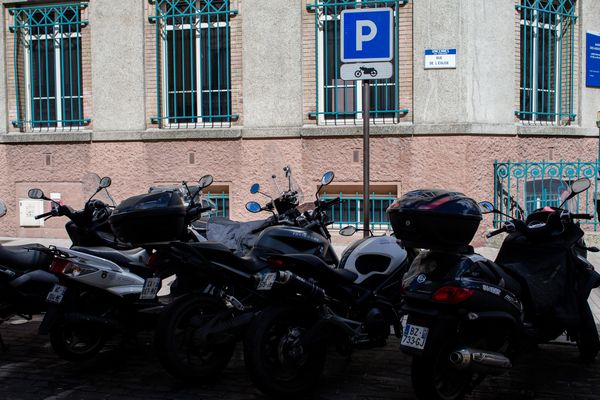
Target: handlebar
(582, 216)
(44, 215)
(496, 232)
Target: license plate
(414, 336)
(56, 295)
(266, 281)
(150, 289)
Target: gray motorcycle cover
(239, 237)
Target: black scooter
(24, 279)
(469, 317)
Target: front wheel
(278, 359)
(183, 347)
(77, 342)
(358, 73)
(434, 377)
(588, 342)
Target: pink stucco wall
(463, 163)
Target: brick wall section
(86, 68)
(86, 72)
(235, 48)
(405, 61)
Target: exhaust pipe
(480, 361)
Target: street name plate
(363, 71)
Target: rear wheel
(77, 342)
(183, 348)
(278, 359)
(435, 378)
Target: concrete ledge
(266, 133)
(167, 134)
(533, 130)
(46, 137)
(307, 131)
(405, 129)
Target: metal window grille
(350, 209)
(221, 201)
(547, 36)
(47, 66)
(339, 101)
(193, 63)
(522, 187)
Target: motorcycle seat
(219, 253)
(25, 257)
(315, 267)
(124, 258)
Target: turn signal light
(59, 265)
(275, 263)
(452, 294)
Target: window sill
(46, 137)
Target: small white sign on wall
(440, 58)
(28, 209)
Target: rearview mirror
(486, 207)
(348, 230)
(255, 188)
(105, 182)
(205, 181)
(253, 207)
(35, 194)
(2, 209)
(580, 185)
(327, 178)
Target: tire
(373, 73)
(434, 378)
(358, 73)
(268, 349)
(180, 350)
(588, 342)
(77, 342)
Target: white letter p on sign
(360, 37)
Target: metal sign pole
(366, 107)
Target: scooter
(103, 291)
(24, 279)
(469, 317)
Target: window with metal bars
(193, 63)
(47, 67)
(339, 101)
(350, 209)
(547, 57)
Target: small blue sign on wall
(593, 59)
(367, 34)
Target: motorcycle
(469, 317)
(103, 291)
(197, 333)
(24, 279)
(285, 345)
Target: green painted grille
(193, 77)
(338, 101)
(221, 201)
(547, 36)
(47, 66)
(349, 211)
(522, 187)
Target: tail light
(452, 294)
(275, 263)
(68, 268)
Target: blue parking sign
(367, 34)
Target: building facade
(154, 92)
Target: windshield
(89, 184)
(277, 182)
